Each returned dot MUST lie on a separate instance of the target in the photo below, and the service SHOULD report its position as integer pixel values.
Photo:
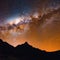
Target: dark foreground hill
(25, 52)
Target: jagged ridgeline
(25, 52)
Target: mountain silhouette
(25, 52)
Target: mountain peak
(26, 43)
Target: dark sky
(10, 8)
(45, 34)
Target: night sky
(34, 21)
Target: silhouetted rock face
(25, 52)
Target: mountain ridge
(25, 52)
(24, 44)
